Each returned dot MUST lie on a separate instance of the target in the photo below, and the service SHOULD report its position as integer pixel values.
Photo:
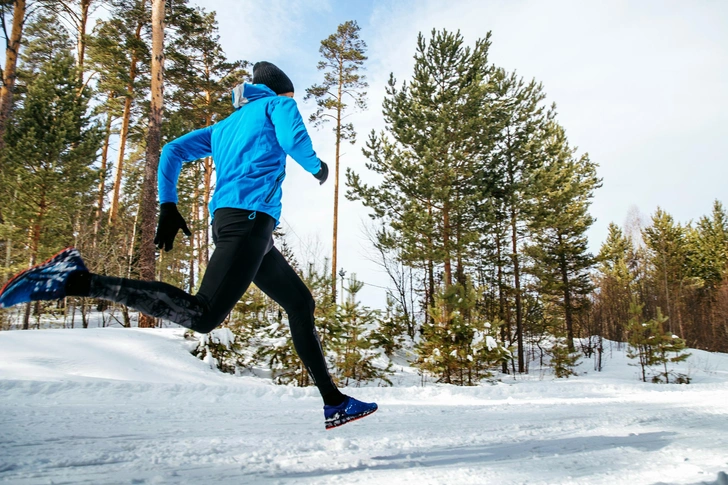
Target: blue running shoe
(349, 410)
(45, 281)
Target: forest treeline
(480, 209)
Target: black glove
(170, 222)
(323, 173)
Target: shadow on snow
(494, 453)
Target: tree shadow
(437, 457)
(721, 480)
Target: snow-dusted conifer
(355, 349)
(458, 346)
(652, 346)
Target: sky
(639, 86)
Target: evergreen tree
(563, 359)
(426, 159)
(562, 188)
(390, 334)
(44, 39)
(614, 281)
(651, 345)
(343, 58)
(220, 349)
(107, 57)
(458, 347)
(666, 241)
(119, 54)
(75, 12)
(708, 252)
(516, 155)
(51, 146)
(353, 345)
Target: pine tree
(614, 281)
(51, 146)
(651, 345)
(391, 330)
(75, 13)
(109, 47)
(666, 241)
(220, 349)
(708, 255)
(563, 359)
(343, 58)
(562, 189)
(353, 344)
(458, 347)
(426, 158)
(119, 53)
(515, 157)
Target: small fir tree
(651, 345)
(456, 346)
(563, 360)
(354, 346)
(220, 349)
(390, 334)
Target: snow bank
(134, 406)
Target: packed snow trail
(109, 406)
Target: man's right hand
(323, 173)
(170, 222)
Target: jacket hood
(245, 93)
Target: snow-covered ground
(110, 405)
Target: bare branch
(85, 85)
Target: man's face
(287, 95)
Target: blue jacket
(249, 149)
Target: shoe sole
(364, 415)
(24, 272)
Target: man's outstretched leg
(279, 281)
(242, 239)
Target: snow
(109, 406)
(490, 342)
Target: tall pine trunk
(568, 312)
(334, 256)
(517, 283)
(125, 120)
(9, 72)
(505, 328)
(206, 211)
(102, 174)
(81, 40)
(209, 167)
(36, 232)
(154, 141)
(193, 239)
(9, 241)
(446, 233)
(430, 272)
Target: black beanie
(268, 74)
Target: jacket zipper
(279, 179)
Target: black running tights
(243, 253)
